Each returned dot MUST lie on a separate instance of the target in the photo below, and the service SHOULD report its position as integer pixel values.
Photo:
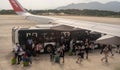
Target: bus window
(44, 35)
(28, 34)
(52, 37)
(34, 34)
(65, 34)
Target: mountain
(110, 6)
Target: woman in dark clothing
(29, 54)
(52, 54)
(80, 54)
(87, 50)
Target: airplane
(109, 30)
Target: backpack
(18, 50)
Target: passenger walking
(14, 59)
(118, 49)
(38, 47)
(62, 52)
(80, 54)
(25, 60)
(16, 50)
(29, 43)
(52, 53)
(105, 51)
(72, 44)
(20, 53)
(62, 39)
(76, 50)
(87, 50)
(67, 41)
(29, 54)
(92, 46)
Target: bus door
(15, 36)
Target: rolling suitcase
(13, 61)
(70, 53)
(57, 59)
(25, 63)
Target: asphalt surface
(43, 62)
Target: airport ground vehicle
(49, 36)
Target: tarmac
(43, 61)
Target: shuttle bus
(48, 36)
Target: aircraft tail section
(18, 8)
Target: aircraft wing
(110, 29)
(113, 30)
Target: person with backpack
(61, 51)
(87, 48)
(52, 53)
(29, 54)
(80, 54)
(16, 50)
(19, 53)
(25, 60)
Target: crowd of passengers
(80, 48)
